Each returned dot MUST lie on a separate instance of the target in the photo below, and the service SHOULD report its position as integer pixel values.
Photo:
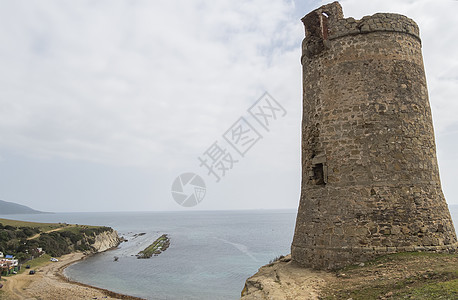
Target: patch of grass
(396, 257)
(415, 275)
(77, 228)
(41, 226)
(36, 262)
(276, 259)
(438, 290)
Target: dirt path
(49, 283)
(52, 230)
(15, 285)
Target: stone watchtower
(370, 180)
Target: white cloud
(153, 84)
(120, 82)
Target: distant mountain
(10, 208)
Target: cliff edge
(106, 240)
(284, 279)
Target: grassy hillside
(41, 226)
(23, 238)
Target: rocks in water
(157, 247)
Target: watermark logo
(217, 160)
(266, 110)
(189, 189)
(242, 136)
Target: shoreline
(60, 274)
(50, 282)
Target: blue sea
(211, 253)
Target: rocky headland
(106, 240)
(70, 243)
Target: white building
(1, 254)
(8, 263)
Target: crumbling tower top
(328, 23)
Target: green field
(41, 226)
(47, 227)
(78, 228)
(36, 262)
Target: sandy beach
(50, 283)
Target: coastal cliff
(28, 239)
(106, 240)
(283, 279)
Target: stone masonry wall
(370, 179)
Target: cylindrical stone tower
(370, 180)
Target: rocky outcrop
(106, 240)
(285, 279)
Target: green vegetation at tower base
(156, 248)
(416, 275)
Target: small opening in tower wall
(324, 25)
(318, 174)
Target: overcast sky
(104, 103)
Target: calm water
(210, 256)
